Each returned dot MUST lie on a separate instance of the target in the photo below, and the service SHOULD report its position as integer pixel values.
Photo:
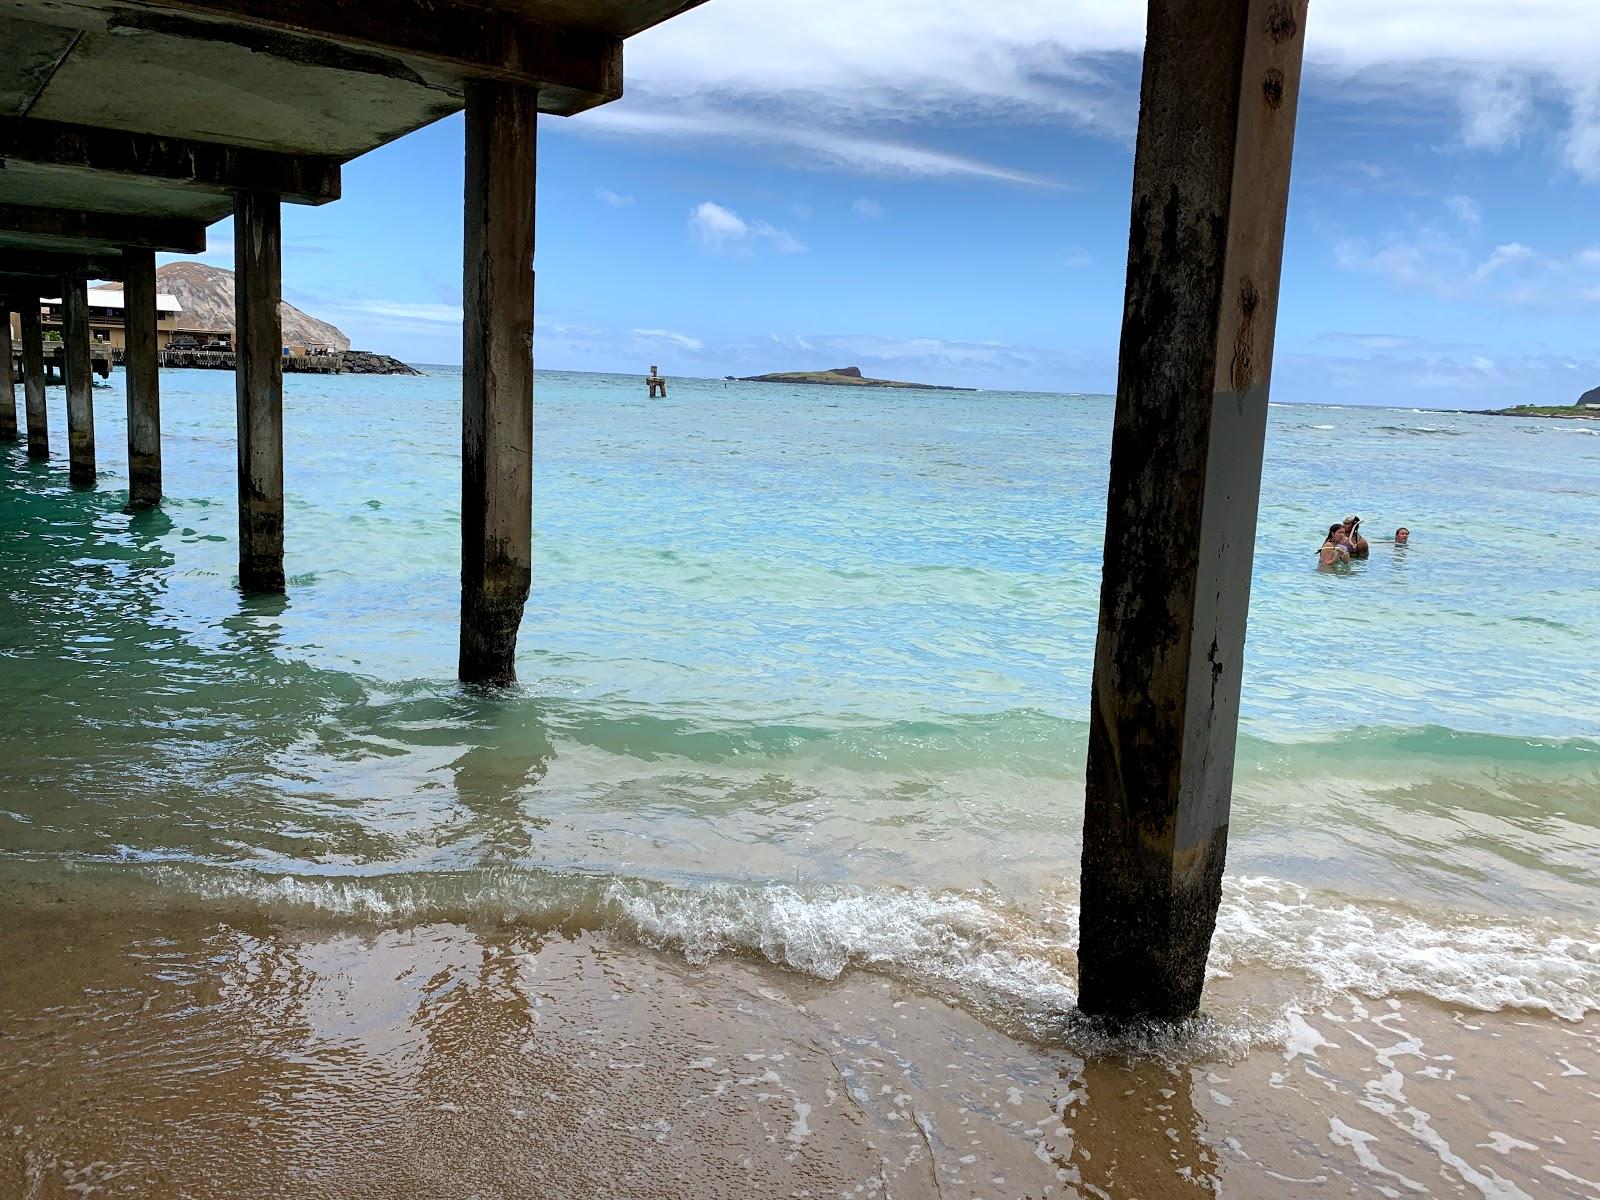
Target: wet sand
(169, 1053)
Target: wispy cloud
(1455, 264)
(1465, 209)
(818, 144)
(1501, 257)
(867, 210)
(614, 199)
(828, 78)
(681, 340)
(721, 229)
(398, 310)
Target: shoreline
(168, 1052)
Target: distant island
(1587, 408)
(844, 377)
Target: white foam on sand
(1006, 960)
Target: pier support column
(497, 378)
(1210, 190)
(8, 386)
(77, 371)
(258, 387)
(33, 379)
(142, 376)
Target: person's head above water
(1333, 531)
(1402, 536)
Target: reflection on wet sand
(250, 1059)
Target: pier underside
(129, 127)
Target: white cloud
(867, 210)
(1494, 108)
(851, 150)
(1427, 259)
(1465, 208)
(1076, 259)
(721, 229)
(397, 310)
(614, 199)
(715, 227)
(1502, 256)
(841, 82)
(681, 340)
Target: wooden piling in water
(258, 388)
(497, 378)
(141, 370)
(8, 387)
(33, 379)
(77, 370)
(1211, 179)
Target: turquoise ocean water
(804, 676)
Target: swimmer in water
(1335, 549)
(1359, 548)
(1402, 536)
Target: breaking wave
(1012, 965)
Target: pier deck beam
(258, 388)
(33, 379)
(77, 369)
(141, 369)
(1211, 177)
(8, 386)
(497, 378)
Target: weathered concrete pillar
(8, 387)
(78, 374)
(258, 388)
(33, 379)
(1210, 189)
(141, 371)
(497, 379)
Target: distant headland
(844, 377)
(1587, 408)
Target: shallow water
(803, 681)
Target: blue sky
(939, 191)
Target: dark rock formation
(1592, 396)
(365, 362)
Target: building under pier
(128, 126)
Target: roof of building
(112, 298)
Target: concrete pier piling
(258, 387)
(655, 384)
(141, 368)
(1211, 177)
(33, 379)
(77, 368)
(497, 378)
(8, 387)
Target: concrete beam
(210, 166)
(108, 229)
(78, 374)
(8, 387)
(141, 362)
(1211, 179)
(497, 379)
(42, 265)
(258, 388)
(573, 69)
(33, 379)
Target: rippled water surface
(804, 679)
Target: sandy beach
(172, 1054)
